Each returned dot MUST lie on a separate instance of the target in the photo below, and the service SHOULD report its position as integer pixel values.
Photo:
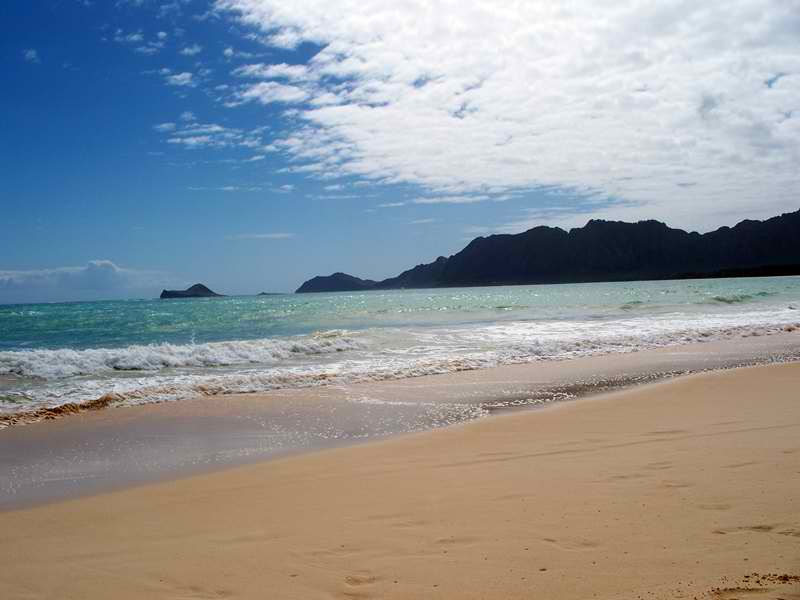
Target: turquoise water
(154, 350)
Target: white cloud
(260, 236)
(451, 199)
(128, 38)
(194, 141)
(269, 92)
(193, 135)
(287, 39)
(421, 221)
(226, 188)
(31, 55)
(334, 196)
(285, 188)
(663, 105)
(181, 79)
(391, 204)
(230, 53)
(277, 71)
(192, 50)
(170, 8)
(96, 277)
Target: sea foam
(170, 372)
(53, 364)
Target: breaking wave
(54, 364)
(266, 365)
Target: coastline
(679, 489)
(101, 451)
(68, 364)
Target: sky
(253, 144)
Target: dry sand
(680, 489)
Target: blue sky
(252, 144)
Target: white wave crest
(55, 364)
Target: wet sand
(113, 448)
(681, 489)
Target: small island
(198, 290)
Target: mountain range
(599, 251)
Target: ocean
(142, 351)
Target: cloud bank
(680, 110)
(97, 279)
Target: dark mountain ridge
(599, 251)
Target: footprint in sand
(759, 529)
(742, 464)
(456, 541)
(359, 586)
(659, 466)
(666, 432)
(675, 484)
(359, 580)
(790, 531)
(572, 544)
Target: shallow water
(105, 450)
(155, 350)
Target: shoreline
(107, 450)
(108, 394)
(683, 488)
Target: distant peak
(198, 290)
(336, 282)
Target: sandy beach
(680, 489)
(422, 301)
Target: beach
(438, 300)
(684, 488)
